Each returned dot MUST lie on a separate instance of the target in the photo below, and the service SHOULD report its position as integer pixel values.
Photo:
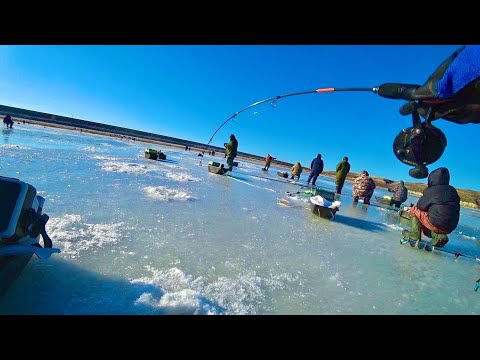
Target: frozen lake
(167, 237)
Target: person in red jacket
(268, 161)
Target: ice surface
(167, 237)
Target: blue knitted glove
(453, 89)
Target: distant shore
(470, 198)
(137, 138)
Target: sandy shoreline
(380, 182)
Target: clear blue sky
(188, 91)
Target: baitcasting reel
(420, 145)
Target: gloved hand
(453, 89)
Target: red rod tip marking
(325, 90)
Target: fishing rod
(457, 254)
(388, 90)
(266, 178)
(275, 98)
(418, 146)
(287, 181)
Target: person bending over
(363, 187)
(437, 212)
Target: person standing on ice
(316, 168)
(268, 160)
(7, 120)
(342, 169)
(231, 151)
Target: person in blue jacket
(316, 168)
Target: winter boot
(416, 232)
(439, 240)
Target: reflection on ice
(165, 194)
(181, 293)
(181, 177)
(124, 167)
(73, 235)
(13, 147)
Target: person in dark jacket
(316, 168)
(231, 151)
(437, 212)
(400, 194)
(343, 168)
(7, 120)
